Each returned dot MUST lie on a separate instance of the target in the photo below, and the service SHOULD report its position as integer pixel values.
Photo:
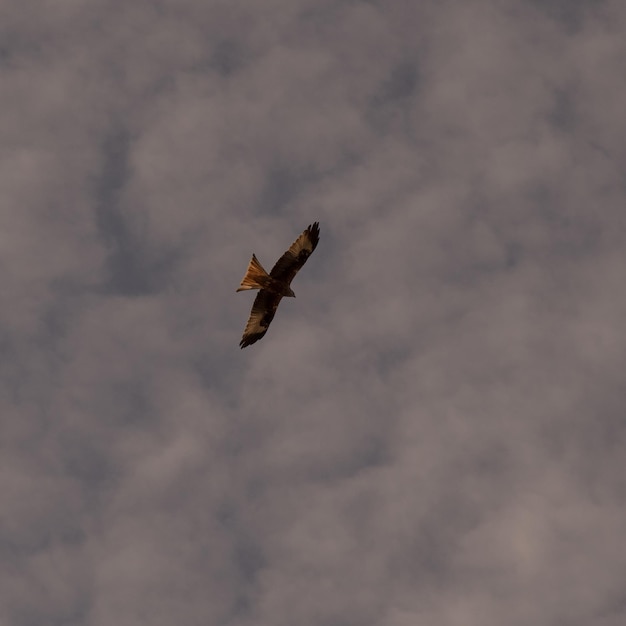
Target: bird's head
(290, 293)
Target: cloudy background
(432, 433)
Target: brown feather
(256, 277)
(300, 250)
(275, 286)
(262, 314)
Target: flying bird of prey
(275, 285)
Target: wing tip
(313, 231)
(248, 340)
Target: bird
(275, 285)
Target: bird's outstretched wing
(300, 250)
(270, 294)
(261, 316)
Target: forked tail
(256, 277)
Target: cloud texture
(432, 432)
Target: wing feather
(261, 316)
(300, 250)
(266, 302)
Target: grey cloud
(431, 432)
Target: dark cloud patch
(282, 185)
(213, 366)
(370, 451)
(126, 403)
(228, 57)
(133, 265)
(134, 268)
(402, 83)
(11, 372)
(563, 115)
(87, 462)
(392, 101)
(571, 15)
(247, 555)
(5, 54)
(569, 232)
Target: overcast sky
(433, 433)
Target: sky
(433, 432)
